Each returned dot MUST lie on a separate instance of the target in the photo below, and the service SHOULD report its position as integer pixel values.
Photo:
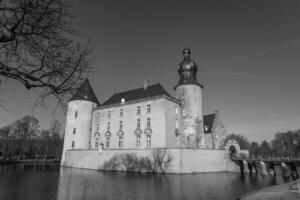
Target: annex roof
(135, 94)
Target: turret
(189, 91)
(79, 118)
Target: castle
(146, 118)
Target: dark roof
(208, 121)
(140, 93)
(85, 92)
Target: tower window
(148, 122)
(74, 130)
(138, 110)
(73, 144)
(76, 114)
(97, 127)
(120, 141)
(148, 141)
(138, 123)
(176, 123)
(121, 125)
(138, 141)
(121, 112)
(176, 110)
(109, 114)
(148, 108)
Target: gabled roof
(140, 93)
(85, 92)
(208, 121)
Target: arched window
(120, 141)
(138, 141)
(97, 143)
(107, 142)
(148, 141)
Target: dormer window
(123, 100)
(205, 128)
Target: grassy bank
(287, 191)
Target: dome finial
(186, 52)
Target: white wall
(183, 160)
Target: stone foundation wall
(151, 160)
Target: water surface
(43, 182)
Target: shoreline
(4, 162)
(290, 191)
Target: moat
(35, 182)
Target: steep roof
(85, 92)
(140, 93)
(208, 121)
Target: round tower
(189, 91)
(79, 119)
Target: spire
(85, 92)
(187, 70)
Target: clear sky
(248, 53)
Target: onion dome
(187, 70)
(85, 92)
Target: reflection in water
(51, 182)
(88, 184)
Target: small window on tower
(74, 130)
(76, 114)
(109, 114)
(121, 112)
(73, 144)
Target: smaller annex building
(140, 122)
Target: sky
(247, 53)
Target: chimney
(145, 84)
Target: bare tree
(40, 49)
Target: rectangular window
(108, 126)
(138, 141)
(148, 141)
(176, 110)
(120, 141)
(148, 122)
(138, 123)
(138, 110)
(176, 123)
(97, 143)
(74, 130)
(121, 125)
(109, 114)
(121, 112)
(107, 142)
(73, 144)
(148, 108)
(97, 127)
(76, 114)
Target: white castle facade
(144, 119)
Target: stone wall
(152, 160)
